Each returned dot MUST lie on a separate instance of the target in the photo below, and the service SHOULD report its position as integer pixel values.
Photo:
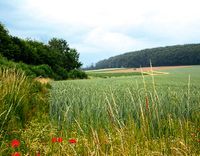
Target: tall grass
(21, 100)
(126, 118)
(14, 93)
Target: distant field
(146, 69)
(117, 72)
(105, 70)
(112, 74)
(133, 115)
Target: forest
(188, 54)
(55, 59)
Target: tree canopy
(57, 54)
(188, 54)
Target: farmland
(121, 72)
(99, 78)
(132, 115)
(111, 74)
(144, 114)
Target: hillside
(188, 54)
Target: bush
(4, 63)
(43, 70)
(26, 68)
(74, 74)
(61, 73)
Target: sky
(99, 29)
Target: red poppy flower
(72, 141)
(54, 140)
(15, 143)
(16, 154)
(38, 154)
(59, 139)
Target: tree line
(188, 54)
(55, 59)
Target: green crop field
(109, 75)
(140, 114)
(134, 115)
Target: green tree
(54, 59)
(59, 45)
(69, 57)
(73, 57)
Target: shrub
(74, 74)
(42, 70)
(26, 68)
(61, 73)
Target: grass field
(144, 114)
(134, 115)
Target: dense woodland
(55, 59)
(163, 56)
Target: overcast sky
(99, 29)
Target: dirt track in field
(145, 69)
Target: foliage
(30, 70)
(188, 54)
(54, 59)
(75, 74)
(43, 70)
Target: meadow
(125, 115)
